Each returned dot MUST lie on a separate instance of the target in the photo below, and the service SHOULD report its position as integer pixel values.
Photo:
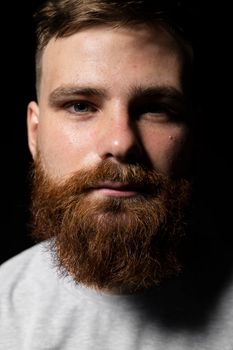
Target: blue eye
(80, 107)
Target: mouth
(117, 189)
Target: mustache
(130, 175)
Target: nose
(119, 138)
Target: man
(112, 137)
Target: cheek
(63, 148)
(165, 148)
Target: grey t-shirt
(40, 310)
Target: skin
(115, 119)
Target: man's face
(109, 140)
(110, 94)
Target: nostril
(132, 154)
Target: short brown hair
(62, 18)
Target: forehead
(93, 39)
(104, 53)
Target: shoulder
(29, 287)
(26, 281)
(20, 261)
(33, 264)
(21, 258)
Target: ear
(32, 127)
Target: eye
(151, 109)
(158, 111)
(80, 107)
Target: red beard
(124, 244)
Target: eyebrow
(64, 92)
(138, 92)
(158, 92)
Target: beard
(112, 243)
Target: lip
(117, 189)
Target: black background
(17, 89)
